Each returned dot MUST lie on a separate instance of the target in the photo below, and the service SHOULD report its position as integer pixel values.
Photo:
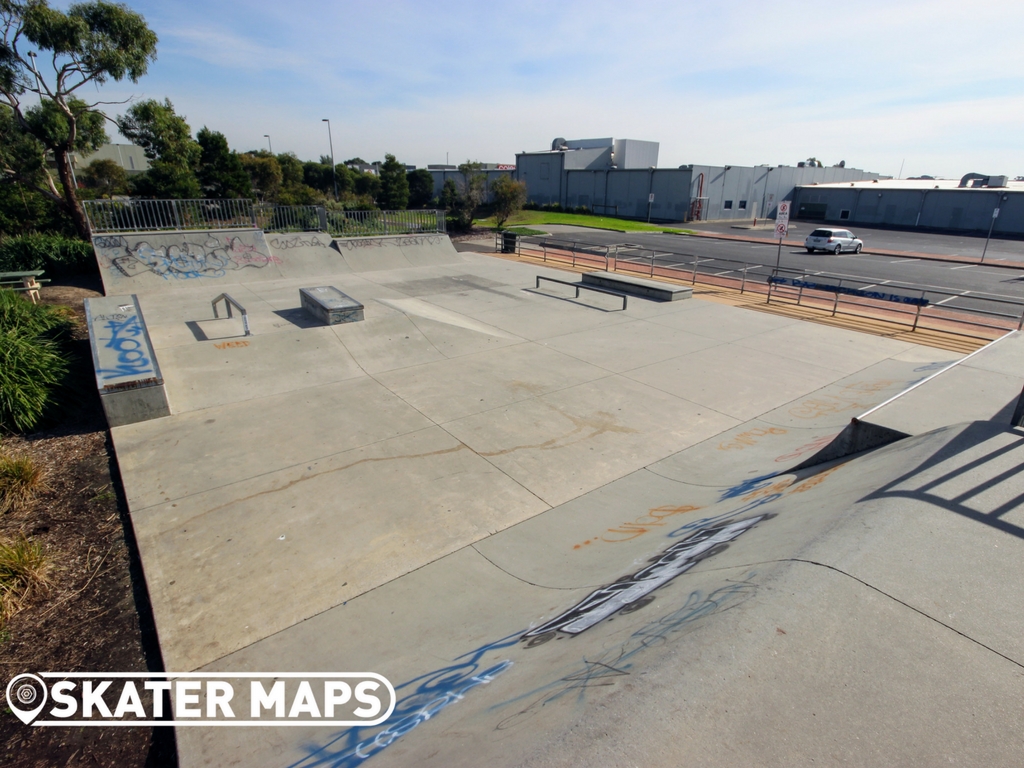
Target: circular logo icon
(26, 696)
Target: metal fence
(356, 223)
(107, 216)
(974, 315)
(154, 215)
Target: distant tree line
(44, 120)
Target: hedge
(60, 256)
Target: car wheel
(858, 248)
(810, 250)
(838, 249)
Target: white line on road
(903, 261)
(962, 293)
(965, 266)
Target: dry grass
(21, 480)
(24, 573)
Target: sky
(896, 87)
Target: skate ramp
(149, 262)
(656, 622)
(156, 262)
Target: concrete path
(413, 493)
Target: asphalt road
(966, 286)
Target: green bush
(59, 256)
(33, 362)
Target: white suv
(832, 240)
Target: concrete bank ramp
(154, 262)
(863, 614)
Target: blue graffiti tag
(425, 697)
(128, 340)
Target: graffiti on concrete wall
(196, 255)
(284, 242)
(123, 334)
(381, 242)
(632, 591)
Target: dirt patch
(95, 617)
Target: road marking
(903, 261)
(965, 266)
(951, 298)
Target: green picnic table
(24, 281)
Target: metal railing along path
(924, 308)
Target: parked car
(833, 240)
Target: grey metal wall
(967, 210)
(732, 192)
(490, 176)
(543, 176)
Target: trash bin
(509, 242)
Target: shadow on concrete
(972, 451)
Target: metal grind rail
(925, 308)
(229, 303)
(579, 286)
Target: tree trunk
(71, 204)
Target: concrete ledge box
(330, 306)
(638, 286)
(127, 374)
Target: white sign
(995, 213)
(650, 198)
(782, 220)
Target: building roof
(916, 184)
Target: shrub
(21, 479)
(60, 256)
(33, 363)
(24, 570)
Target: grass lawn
(531, 219)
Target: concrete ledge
(637, 286)
(330, 306)
(127, 375)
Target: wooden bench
(24, 281)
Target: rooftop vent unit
(559, 145)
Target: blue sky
(934, 85)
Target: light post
(334, 169)
(267, 137)
(764, 193)
(992, 223)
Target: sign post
(995, 215)
(781, 228)
(650, 202)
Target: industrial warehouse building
(972, 204)
(619, 177)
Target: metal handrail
(230, 302)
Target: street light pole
(334, 168)
(991, 224)
(267, 137)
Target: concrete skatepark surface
(460, 492)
